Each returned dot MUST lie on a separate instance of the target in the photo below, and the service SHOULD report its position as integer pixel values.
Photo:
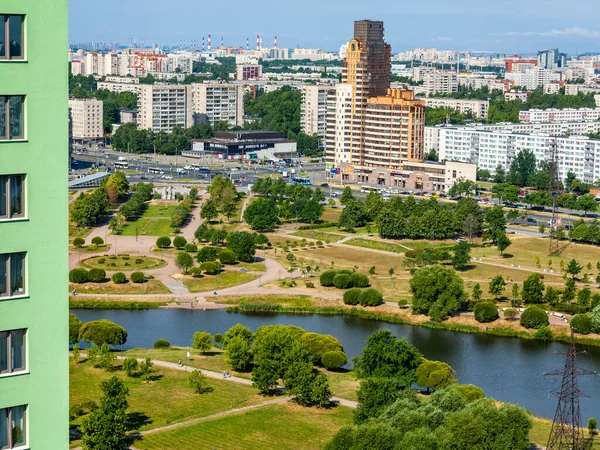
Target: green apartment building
(33, 225)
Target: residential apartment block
(120, 84)
(248, 72)
(488, 149)
(34, 367)
(214, 102)
(440, 83)
(313, 109)
(161, 107)
(479, 108)
(86, 117)
(560, 115)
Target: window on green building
(12, 196)
(12, 352)
(11, 117)
(11, 36)
(12, 427)
(12, 275)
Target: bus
(300, 180)
(121, 165)
(366, 189)
(201, 169)
(157, 170)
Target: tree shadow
(507, 255)
(136, 420)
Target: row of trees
(224, 199)
(88, 208)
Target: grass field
(156, 221)
(82, 232)
(300, 301)
(540, 433)
(167, 399)
(91, 248)
(123, 262)
(149, 287)
(376, 245)
(319, 235)
(225, 279)
(331, 214)
(277, 427)
(423, 244)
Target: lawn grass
(155, 221)
(319, 235)
(423, 244)
(123, 262)
(79, 232)
(343, 384)
(300, 301)
(331, 214)
(280, 427)
(160, 211)
(259, 266)
(91, 248)
(166, 400)
(376, 245)
(540, 433)
(110, 288)
(225, 279)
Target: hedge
(78, 242)
(163, 242)
(162, 343)
(534, 317)
(569, 308)
(195, 271)
(96, 275)
(486, 312)
(227, 257)
(137, 202)
(359, 280)
(327, 277)
(351, 296)
(181, 213)
(210, 267)
(119, 278)
(97, 240)
(544, 333)
(334, 359)
(581, 323)
(137, 277)
(192, 248)
(342, 281)
(103, 331)
(370, 297)
(78, 276)
(179, 242)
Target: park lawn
(376, 245)
(331, 214)
(343, 383)
(299, 301)
(277, 427)
(123, 263)
(91, 248)
(259, 266)
(81, 232)
(319, 235)
(525, 249)
(540, 433)
(157, 210)
(149, 287)
(169, 395)
(224, 280)
(147, 226)
(423, 244)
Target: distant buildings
(86, 115)
(560, 115)
(232, 145)
(313, 109)
(478, 108)
(161, 107)
(551, 59)
(248, 72)
(214, 102)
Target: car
(324, 185)
(143, 177)
(334, 194)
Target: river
(507, 369)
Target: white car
(187, 167)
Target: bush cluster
(192, 248)
(179, 242)
(119, 278)
(96, 275)
(534, 317)
(351, 296)
(227, 257)
(569, 308)
(210, 267)
(78, 276)
(182, 212)
(137, 203)
(137, 277)
(370, 297)
(486, 312)
(163, 242)
(343, 279)
(97, 241)
(162, 343)
(334, 359)
(581, 323)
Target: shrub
(210, 267)
(510, 313)
(286, 283)
(103, 332)
(198, 382)
(227, 257)
(534, 317)
(184, 261)
(334, 360)
(570, 308)
(78, 276)
(319, 243)
(78, 242)
(137, 277)
(195, 271)
(309, 284)
(486, 312)
(179, 242)
(130, 366)
(359, 280)
(346, 271)
(351, 296)
(163, 242)
(101, 260)
(581, 323)
(96, 275)
(162, 343)
(97, 241)
(192, 248)
(544, 333)
(139, 261)
(119, 278)
(402, 303)
(342, 281)
(327, 277)
(370, 297)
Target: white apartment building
(533, 78)
(516, 95)
(479, 108)
(161, 107)
(440, 83)
(339, 120)
(488, 149)
(313, 109)
(560, 115)
(86, 117)
(117, 88)
(475, 82)
(214, 102)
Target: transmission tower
(567, 433)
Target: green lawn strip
(319, 235)
(286, 426)
(123, 263)
(225, 279)
(421, 245)
(540, 433)
(159, 211)
(287, 300)
(376, 245)
(82, 232)
(91, 248)
(110, 288)
(114, 302)
(147, 226)
(166, 400)
(258, 266)
(343, 384)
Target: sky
(507, 26)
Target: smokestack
(261, 41)
(275, 42)
(247, 44)
(203, 48)
(257, 42)
(208, 45)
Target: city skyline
(513, 27)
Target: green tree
(437, 291)
(262, 214)
(119, 183)
(435, 374)
(592, 426)
(502, 241)
(570, 290)
(462, 187)
(238, 354)
(462, 255)
(242, 244)
(497, 286)
(373, 204)
(103, 332)
(584, 296)
(207, 254)
(573, 268)
(198, 381)
(104, 428)
(74, 327)
(477, 292)
(184, 261)
(372, 271)
(209, 209)
(202, 341)
(515, 294)
(347, 196)
(353, 215)
(130, 366)
(494, 222)
(499, 174)
(522, 168)
(586, 203)
(533, 288)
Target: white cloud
(441, 39)
(565, 32)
